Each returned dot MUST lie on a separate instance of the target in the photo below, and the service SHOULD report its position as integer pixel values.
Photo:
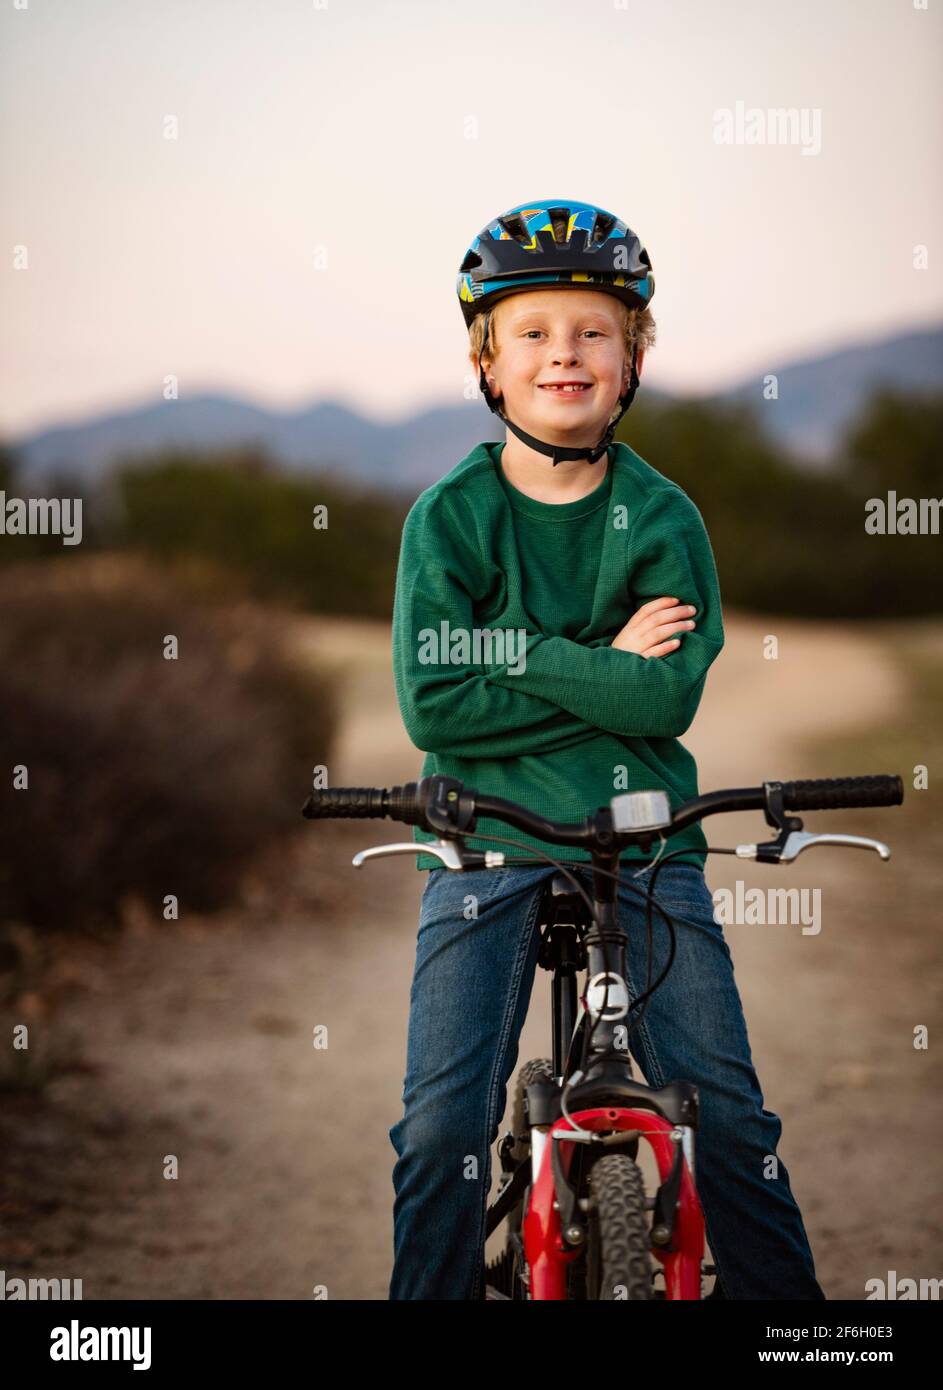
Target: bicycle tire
(618, 1254)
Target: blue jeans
(468, 1003)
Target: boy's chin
(552, 430)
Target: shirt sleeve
(669, 553)
(448, 706)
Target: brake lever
(783, 851)
(445, 850)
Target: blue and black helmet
(554, 242)
(547, 243)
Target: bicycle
(571, 1188)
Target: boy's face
(546, 340)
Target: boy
(556, 612)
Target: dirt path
(197, 1042)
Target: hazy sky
(300, 237)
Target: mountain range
(817, 398)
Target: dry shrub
(147, 776)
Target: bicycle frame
(546, 1250)
(606, 1095)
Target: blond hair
(638, 326)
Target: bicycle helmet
(555, 242)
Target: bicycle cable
(670, 921)
(656, 865)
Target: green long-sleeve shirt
(582, 720)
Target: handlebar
(446, 806)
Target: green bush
(235, 509)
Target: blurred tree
(790, 540)
(259, 524)
(897, 444)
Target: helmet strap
(558, 452)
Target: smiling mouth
(571, 388)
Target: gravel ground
(194, 1041)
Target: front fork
(678, 1222)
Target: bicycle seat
(559, 894)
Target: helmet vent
(559, 221)
(472, 259)
(602, 227)
(514, 226)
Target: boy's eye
(596, 333)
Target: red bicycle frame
(547, 1253)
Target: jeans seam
(718, 1272)
(513, 995)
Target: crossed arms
(568, 691)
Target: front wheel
(618, 1246)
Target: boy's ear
(639, 360)
(485, 361)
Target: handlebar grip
(367, 803)
(834, 793)
(346, 803)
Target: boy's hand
(649, 631)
